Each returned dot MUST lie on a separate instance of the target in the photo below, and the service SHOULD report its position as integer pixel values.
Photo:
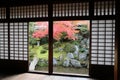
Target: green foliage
(37, 50)
(60, 47)
(80, 38)
(32, 41)
(42, 56)
(76, 42)
(83, 29)
(44, 40)
(82, 50)
(69, 48)
(56, 50)
(31, 54)
(64, 34)
(45, 46)
(42, 63)
(60, 63)
(57, 44)
(33, 51)
(43, 51)
(31, 27)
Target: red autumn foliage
(42, 24)
(59, 27)
(40, 33)
(43, 30)
(64, 27)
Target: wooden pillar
(117, 43)
(50, 13)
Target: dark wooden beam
(117, 43)
(50, 14)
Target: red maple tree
(59, 27)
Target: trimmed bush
(43, 51)
(57, 44)
(42, 63)
(45, 47)
(69, 48)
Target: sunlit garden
(70, 46)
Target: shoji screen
(34, 11)
(19, 41)
(104, 8)
(19, 30)
(103, 42)
(2, 13)
(103, 34)
(71, 9)
(3, 41)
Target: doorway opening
(38, 46)
(70, 46)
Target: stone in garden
(41, 60)
(75, 63)
(85, 40)
(82, 56)
(86, 51)
(82, 42)
(84, 46)
(70, 56)
(88, 65)
(66, 63)
(88, 43)
(60, 49)
(84, 64)
(54, 62)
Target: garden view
(70, 46)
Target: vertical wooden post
(117, 43)
(50, 14)
(8, 20)
(91, 14)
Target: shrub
(31, 54)
(56, 50)
(57, 44)
(82, 50)
(43, 51)
(75, 42)
(44, 40)
(45, 47)
(69, 48)
(84, 30)
(42, 63)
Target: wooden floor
(30, 76)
